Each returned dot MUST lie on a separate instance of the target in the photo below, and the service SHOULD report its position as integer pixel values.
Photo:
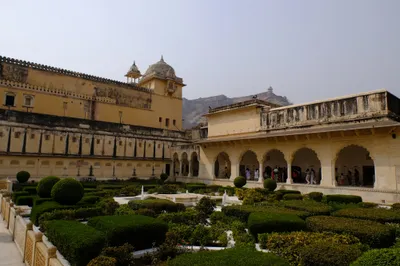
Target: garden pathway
(9, 254)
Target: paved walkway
(9, 254)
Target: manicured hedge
(279, 194)
(192, 187)
(30, 190)
(189, 216)
(158, 205)
(86, 200)
(312, 207)
(264, 222)
(239, 181)
(379, 214)
(343, 198)
(39, 201)
(372, 233)
(270, 184)
(45, 185)
(77, 242)
(26, 200)
(47, 206)
(379, 257)
(70, 214)
(67, 191)
(103, 261)
(23, 176)
(242, 212)
(292, 197)
(137, 230)
(16, 195)
(290, 246)
(317, 196)
(231, 256)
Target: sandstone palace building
(58, 122)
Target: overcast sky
(305, 49)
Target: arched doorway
(249, 165)
(354, 167)
(222, 166)
(306, 167)
(185, 164)
(275, 166)
(175, 165)
(194, 161)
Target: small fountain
(142, 195)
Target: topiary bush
(67, 191)
(264, 222)
(396, 206)
(232, 256)
(103, 261)
(31, 190)
(190, 217)
(158, 205)
(77, 242)
(44, 207)
(371, 233)
(343, 198)
(291, 245)
(26, 200)
(137, 230)
(240, 181)
(123, 254)
(292, 197)
(16, 195)
(89, 200)
(164, 177)
(45, 185)
(23, 176)
(205, 207)
(379, 215)
(312, 207)
(379, 257)
(270, 184)
(252, 195)
(317, 196)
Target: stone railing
(33, 246)
(359, 107)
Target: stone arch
(306, 166)
(185, 164)
(354, 166)
(175, 164)
(222, 166)
(194, 164)
(249, 165)
(275, 165)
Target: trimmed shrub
(379, 215)
(26, 200)
(23, 176)
(16, 195)
(158, 205)
(292, 197)
(205, 207)
(231, 256)
(123, 254)
(67, 191)
(45, 185)
(48, 206)
(164, 177)
(325, 253)
(372, 233)
(193, 187)
(190, 217)
(264, 222)
(146, 212)
(291, 245)
(39, 201)
(240, 181)
(124, 209)
(103, 261)
(317, 196)
(30, 190)
(379, 257)
(109, 205)
(396, 206)
(242, 212)
(69, 214)
(77, 242)
(343, 198)
(369, 205)
(167, 189)
(131, 190)
(312, 207)
(137, 230)
(88, 200)
(252, 196)
(270, 184)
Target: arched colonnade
(185, 165)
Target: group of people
(350, 179)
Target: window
(174, 122)
(28, 100)
(17, 135)
(9, 99)
(47, 137)
(160, 119)
(97, 141)
(167, 122)
(32, 136)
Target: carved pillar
(180, 167)
(289, 161)
(190, 168)
(260, 172)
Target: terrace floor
(9, 254)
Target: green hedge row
(379, 257)
(137, 230)
(70, 214)
(310, 206)
(264, 222)
(44, 207)
(343, 198)
(189, 216)
(372, 233)
(77, 242)
(158, 205)
(26, 200)
(374, 214)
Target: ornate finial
(162, 58)
(134, 63)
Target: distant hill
(194, 109)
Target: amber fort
(59, 122)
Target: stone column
(180, 168)
(328, 178)
(289, 179)
(190, 169)
(261, 172)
